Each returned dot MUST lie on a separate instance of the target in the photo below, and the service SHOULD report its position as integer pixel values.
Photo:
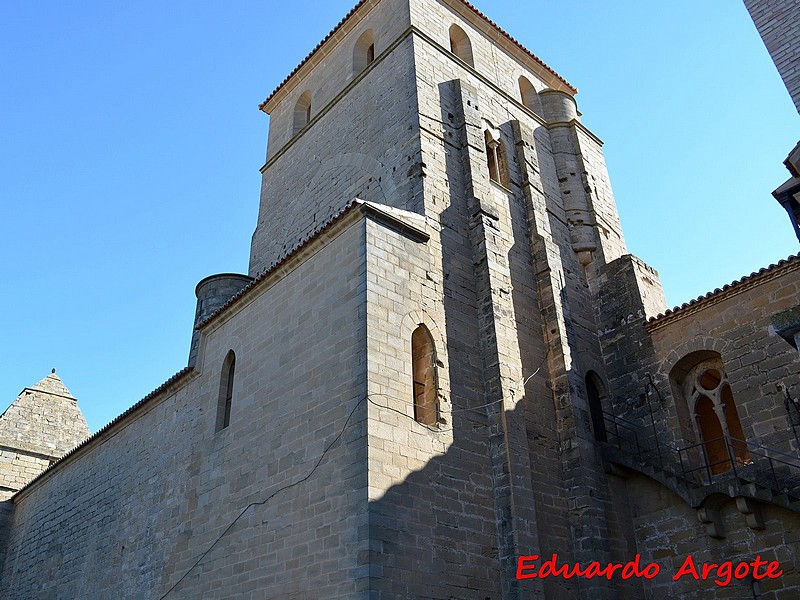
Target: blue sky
(130, 143)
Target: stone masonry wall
(130, 514)
(778, 24)
(362, 141)
(736, 324)
(551, 424)
(756, 359)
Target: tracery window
(710, 399)
(423, 359)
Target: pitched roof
(403, 220)
(735, 287)
(175, 380)
(464, 2)
(52, 384)
(44, 419)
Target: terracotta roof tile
(733, 286)
(178, 377)
(464, 2)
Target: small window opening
(496, 158)
(364, 52)
(423, 359)
(302, 111)
(460, 45)
(527, 93)
(226, 391)
(595, 393)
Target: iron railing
(706, 462)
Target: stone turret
(41, 425)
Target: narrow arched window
(302, 111)
(364, 52)
(460, 45)
(496, 158)
(423, 359)
(527, 93)
(595, 394)
(226, 391)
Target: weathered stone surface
(485, 214)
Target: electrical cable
(319, 462)
(267, 499)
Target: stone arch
(460, 45)
(363, 52)
(302, 112)
(407, 327)
(527, 93)
(424, 376)
(704, 398)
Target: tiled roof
(395, 214)
(282, 260)
(734, 287)
(464, 2)
(175, 379)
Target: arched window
(527, 93)
(708, 393)
(460, 45)
(302, 111)
(595, 394)
(364, 52)
(423, 360)
(226, 391)
(496, 158)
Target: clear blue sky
(130, 143)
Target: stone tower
(40, 426)
(428, 109)
(425, 372)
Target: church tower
(430, 366)
(428, 111)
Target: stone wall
(131, 512)
(39, 427)
(778, 24)
(362, 141)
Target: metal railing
(633, 439)
(752, 461)
(708, 461)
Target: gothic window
(364, 52)
(710, 398)
(496, 158)
(460, 45)
(595, 394)
(226, 392)
(527, 93)
(302, 111)
(423, 359)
